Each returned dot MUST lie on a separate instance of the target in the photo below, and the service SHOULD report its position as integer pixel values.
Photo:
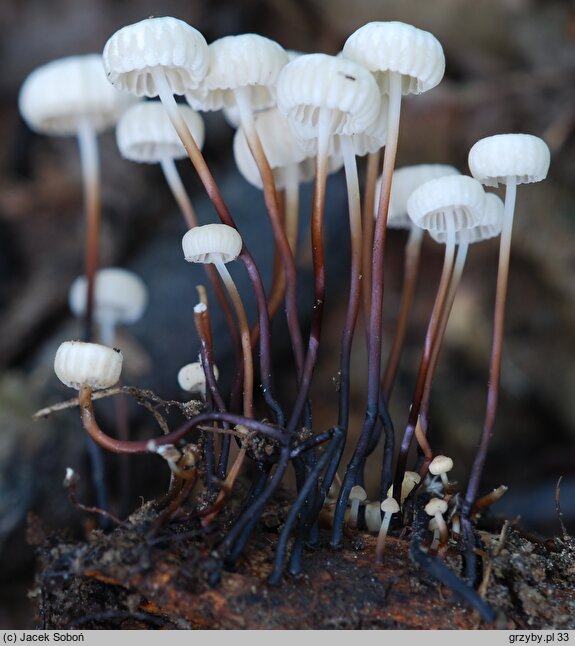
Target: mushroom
(146, 135)
(220, 244)
(440, 466)
(357, 495)
(71, 97)
(86, 367)
(408, 484)
(448, 204)
(120, 297)
(160, 57)
(509, 159)
(79, 364)
(389, 507)
(435, 508)
(490, 227)
(192, 378)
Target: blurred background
(510, 68)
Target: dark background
(510, 68)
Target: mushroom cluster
(298, 117)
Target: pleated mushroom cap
(211, 242)
(313, 82)
(119, 295)
(454, 200)
(525, 158)
(280, 146)
(167, 43)
(145, 133)
(490, 226)
(77, 363)
(56, 97)
(384, 47)
(246, 60)
(405, 181)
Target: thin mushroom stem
(244, 335)
(291, 173)
(271, 200)
(411, 269)
(203, 328)
(368, 231)
(453, 285)
(182, 198)
(497, 347)
(318, 252)
(291, 216)
(354, 301)
(425, 359)
(207, 179)
(376, 313)
(90, 162)
(178, 190)
(354, 208)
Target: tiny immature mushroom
(220, 244)
(435, 508)
(192, 378)
(389, 507)
(410, 480)
(357, 495)
(440, 466)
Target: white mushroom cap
(78, 363)
(246, 60)
(192, 378)
(211, 242)
(440, 464)
(489, 228)
(457, 200)
(436, 506)
(363, 143)
(357, 493)
(281, 148)
(167, 43)
(525, 158)
(384, 47)
(390, 506)
(405, 181)
(120, 296)
(145, 133)
(410, 479)
(312, 82)
(56, 97)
